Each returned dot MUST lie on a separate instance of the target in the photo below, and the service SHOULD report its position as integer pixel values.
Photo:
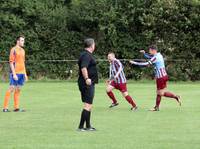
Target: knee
(87, 106)
(125, 94)
(108, 89)
(17, 89)
(11, 89)
(160, 93)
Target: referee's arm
(85, 73)
(84, 65)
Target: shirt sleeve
(153, 60)
(142, 63)
(150, 62)
(85, 60)
(118, 66)
(12, 55)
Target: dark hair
(20, 36)
(154, 47)
(88, 42)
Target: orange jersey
(17, 57)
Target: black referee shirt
(87, 60)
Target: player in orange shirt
(17, 75)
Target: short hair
(20, 36)
(111, 53)
(88, 42)
(154, 47)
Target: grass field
(53, 111)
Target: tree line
(55, 30)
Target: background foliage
(55, 30)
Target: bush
(55, 30)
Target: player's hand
(26, 77)
(15, 77)
(132, 62)
(88, 81)
(115, 77)
(142, 51)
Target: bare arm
(84, 72)
(12, 68)
(85, 75)
(26, 77)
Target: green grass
(53, 111)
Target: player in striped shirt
(117, 80)
(156, 59)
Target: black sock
(88, 119)
(83, 119)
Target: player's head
(111, 56)
(153, 49)
(89, 44)
(20, 40)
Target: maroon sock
(112, 97)
(130, 100)
(158, 100)
(170, 95)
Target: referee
(88, 77)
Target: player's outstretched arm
(140, 63)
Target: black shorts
(87, 92)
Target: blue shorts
(19, 82)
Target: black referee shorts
(87, 92)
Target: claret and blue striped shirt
(115, 67)
(157, 61)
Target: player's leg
(7, 98)
(87, 93)
(83, 113)
(20, 83)
(130, 100)
(160, 93)
(158, 100)
(16, 99)
(88, 107)
(8, 93)
(109, 92)
(167, 93)
(123, 89)
(172, 96)
(161, 85)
